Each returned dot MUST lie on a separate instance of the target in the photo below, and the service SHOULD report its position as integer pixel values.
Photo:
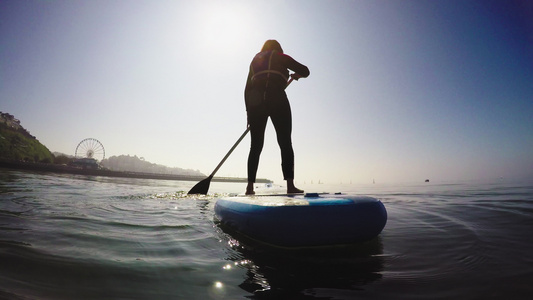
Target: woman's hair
(271, 45)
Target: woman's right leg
(282, 121)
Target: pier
(64, 169)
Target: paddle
(203, 186)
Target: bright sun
(224, 27)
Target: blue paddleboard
(303, 220)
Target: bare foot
(291, 189)
(250, 189)
(294, 190)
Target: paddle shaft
(230, 151)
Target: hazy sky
(399, 91)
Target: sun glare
(223, 27)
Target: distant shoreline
(62, 169)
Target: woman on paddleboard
(265, 97)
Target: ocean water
(83, 237)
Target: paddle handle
(289, 82)
(230, 150)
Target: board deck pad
(290, 199)
(307, 195)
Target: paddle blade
(201, 187)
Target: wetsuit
(265, 97)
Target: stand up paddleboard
(303, 220)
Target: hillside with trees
(16, 143)
(127, 163)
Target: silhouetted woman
(265, 97)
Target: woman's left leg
(257, 121)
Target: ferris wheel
(90, 148)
